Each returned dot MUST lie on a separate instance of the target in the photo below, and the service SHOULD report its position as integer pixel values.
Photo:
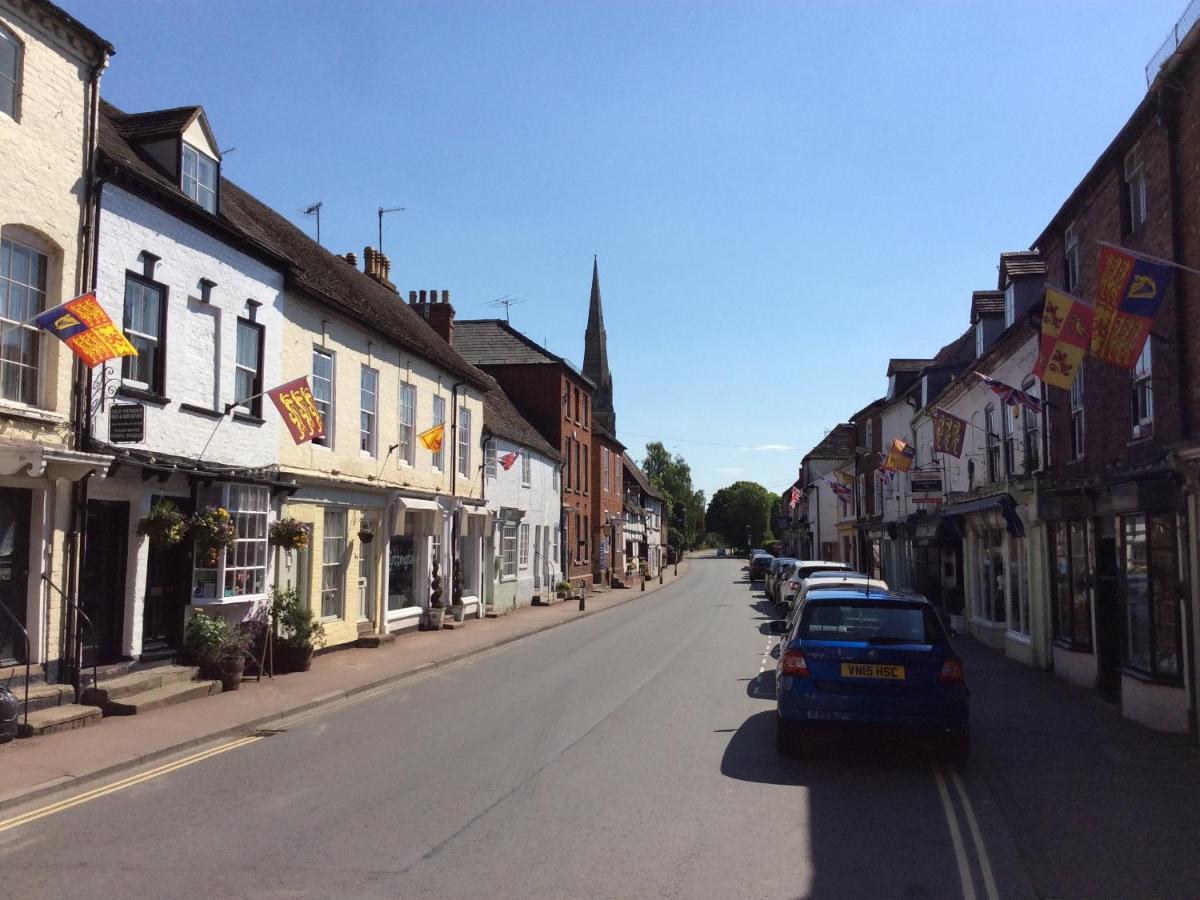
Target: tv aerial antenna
(315, 210)
(507, 302)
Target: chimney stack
(439, 314)
(378, 267)
(352, 259)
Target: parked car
(758, 565)
(838, 579)
(801, 570)
(852, 660)
(772, 575)
(720, 551)
(10, 709)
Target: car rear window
(872, 623)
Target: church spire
(595, 358)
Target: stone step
(59, 718)
(156, 698)
(372, 641)
(46, 696)
(449, 624)
(138, 682)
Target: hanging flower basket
(289, 534)
(164, 525)
(366, 533)
(213, 530)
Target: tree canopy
(741, 506)
(685, 505)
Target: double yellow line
(78, 799)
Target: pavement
(632, 754)
(35, 767)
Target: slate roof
(959, 350)
(1019, 263)
(67, 19)
(158, 123)
(838, 444)
(601, 429)
(327, 278)
(906, 365)
(986, 303)
(639, 476)
(503, 420)
(493, 342)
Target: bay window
(240, 571)
(1150, 570)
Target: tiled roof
(639, 476)
(959, 350)
(493, 342)
(157, 123)
(1018, 263)
(869, 408)
(66, 18)
(986, 303)
(501, 418)
(906, 365)
(327, 278)
(838, 444)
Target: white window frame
(334, 564)
(489, 459)
(327, 416)
(29, 332)
(1142, 394)
(508, 550)
(368, 415)
(16, 76)
(604, 468)
(991, 446)
(408, 424)
(193, 183)
(251, 406)
(556, 477)
(1078, 434)
(526, 468)
(464, 442)
(439, 418)
(870, 434)
(1071, 257)
(144, 284)
(1010, 304)
(1031, 430)
(249, 507)
(523, 546)
(1135, 188)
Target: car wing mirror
(778, 626)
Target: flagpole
(1149, 258)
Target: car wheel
(956, 746)
(788, 738)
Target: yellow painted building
(379, 505)
(50, 69)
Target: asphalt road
(629, 754)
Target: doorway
(168, 592)
(1108, 611)
(102, 580)
(14, 571)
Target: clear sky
(782, 195)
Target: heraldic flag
(84, 326)
(1129, 292)
(1066, 335)
(432, 439)
(507, 460)
(900, 457)
(298, 409)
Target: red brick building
(557, 400)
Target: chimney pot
(422, 296)
(412, 298)
(445, 296)
(352, 259)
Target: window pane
(1164, 581)
(247, 345)
(1137, 592)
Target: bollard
(660, 568)
(582, 596)
(643, 581)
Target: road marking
(61, 805)
(989, 881)
(960, 853)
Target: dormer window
(1010, 304)
(200, 177)
(979, 338)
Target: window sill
(1018, 638)
(989, 625)
(1063, 644)
(1144, 439)
(20, 411)
(136, 393)
(227, 601)
(202, 411)
(405, 612)
(1147, 678)
(247, 418)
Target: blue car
(851, 658)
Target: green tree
(740, 509)
(685, 505)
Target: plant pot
(292, 659)
(459, 611)
(434, 617)
(231, 673)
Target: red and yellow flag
(1129, 292)
(298, 409)
(432, 439)
(1066, 336)
(84, 326)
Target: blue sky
(782, 195)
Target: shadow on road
(762, 686)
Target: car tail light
(794, 585)
(952, 672)
(794, 663)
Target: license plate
(872, 670)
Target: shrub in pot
(219, 647)
(456, 593)
(436, 613)
(298, 632)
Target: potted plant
(289, 533)
(562, 590)
(435, 614)
(457, 609)
(164, 525)
(366, 531)
(298, 631)
(220, 648)
(214, 531)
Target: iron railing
(1173, 40)
(28, 653)
(77, 645)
